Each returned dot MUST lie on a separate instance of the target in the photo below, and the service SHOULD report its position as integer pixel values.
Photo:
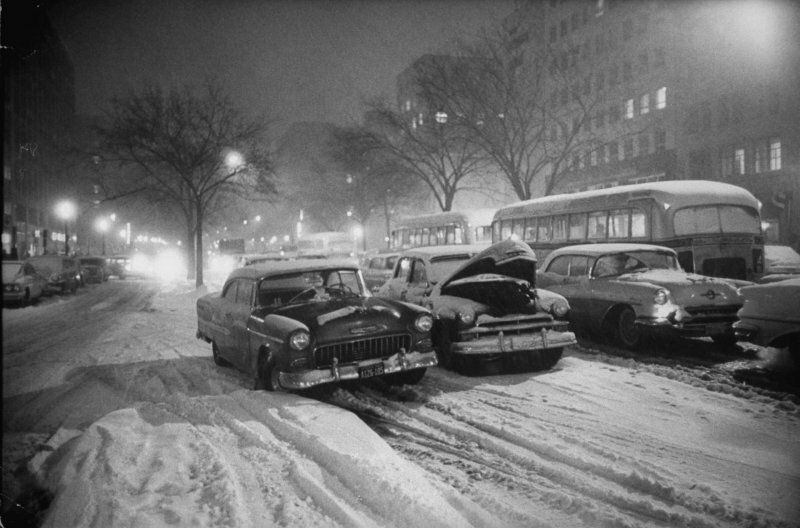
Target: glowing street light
(234, 159)
(66, 211)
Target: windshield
(304, 286)
(10, 271)
(634, 261)
(716, 219)
(443, 267)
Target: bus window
(577, 226)
(505, 230)
(483, 234)
(543, 228)
(518, 227)
(638, 224)
(530, 229)
(560, 224)
(597, 226)
(739, 220)
(460, 235)
(618, 226)
(441, 235)
(696, 220)
(426, 236)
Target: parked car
(489, 315)
(378, 269)
(771, 315)
(634, 290)
(94, 269)
(297, 324)
(780, 263)
(62, 272)
(22, 284)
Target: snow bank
(303, 463)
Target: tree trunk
(198, 236)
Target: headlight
(299, 340)
(661, 297)
(559, 308)
(423, 323)
(466, 316)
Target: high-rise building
(680, 90)
(38, 109)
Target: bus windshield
(716, 219)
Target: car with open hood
(301, 323)
(633, 290)
(489, 315)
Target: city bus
(326, 244)
(714, 227)
(441, 229)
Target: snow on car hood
(685, 286)
(509, 258)
(360, 314)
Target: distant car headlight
(423, 323)
(559, 308)
(466, 316)
(661, 297)
(299, 340)
(54, 277)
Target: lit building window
(408, 105)
(661, 98)
(760, 157)
(644, 104)
(774, 154)
(629, 109)
(738, 161)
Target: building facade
(680, 90)
(38, 111)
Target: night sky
(299, 60)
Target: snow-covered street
(118, 416)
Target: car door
(418, 285)
(222, 319)
(568, 275)
(394, 287)
(239, 316)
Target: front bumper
(511, 344)
(688, 329)
(399, 362)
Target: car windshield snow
(309, 286)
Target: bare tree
(192, 149)
(430, 140)
(523, 104)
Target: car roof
(611, 247)
(280, 267)
(438, 251)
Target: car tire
(407, 377)
(626, 332)
(218, 360)
(267, 376)
(443, 353)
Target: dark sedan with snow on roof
(631, 290)
(490, 316)
(297, 324)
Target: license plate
(370, 371)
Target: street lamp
(102, 225)
(65, 211)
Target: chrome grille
(352, 351)
(713, 313)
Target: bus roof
(677, 193)
(474, 217)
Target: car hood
(687, 288)
(509, 258)
(350, 318)
(780, 300)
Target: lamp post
(65, 210)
